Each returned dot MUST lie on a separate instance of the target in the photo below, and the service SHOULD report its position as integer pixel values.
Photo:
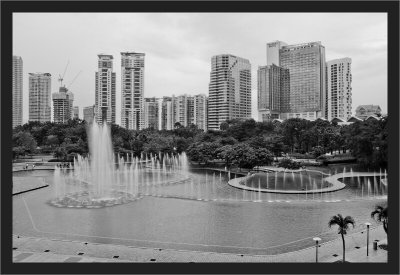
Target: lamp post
(316, 239)
(367, 224)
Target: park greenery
(239, 143)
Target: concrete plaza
(32, 249)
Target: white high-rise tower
(229, 89)
(105, 90)
(17, 91)
(132, 89)
(339, 88)
(39, 97)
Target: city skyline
(178, 49)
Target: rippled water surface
(203, 213)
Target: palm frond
(349, 220)
(335, 220)
(380, 213)
(342, 223)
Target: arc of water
(362, 191)
(313, 193)
(306, 192)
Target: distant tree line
(241, 143)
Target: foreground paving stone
(32, 249)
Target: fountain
(103, 179)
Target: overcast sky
(179, 47)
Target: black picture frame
(8, 7)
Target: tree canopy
(252, 142)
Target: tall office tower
(88, 114)
(273, 52)
(151, 113)
(272, 89)
(132, 88)
(62, 105)
(167, 113)
(338, 88)
(229, 89)
(76, 112)
(105, 90)
(17, 91)
(39, 97)
(200, 103)
(306, 64)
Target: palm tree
(380, 214)
(343, 224)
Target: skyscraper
(229, 89)
(88, 114)
(76, 112)
(190, 110)
(62, 105)
(273, 86)
(339, 94)
(200, 103)
(39, 97)
(132, 88)
(306, 64)
(167, 113)
(273, 52)
(105, 90)
(151, 113)
(181, 109)
(17, 91)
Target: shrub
(289, 164)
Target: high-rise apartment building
(190, 110)
(185, 110)
(200, 103)
(338, 77)
(273, 52)
(306, 64)
(88, 114)
(39, 97)
(132, 90)
(62, 105)
(151, 113)
(105, 90)
(76, 112)
(167, 113)
(229, 89)
(17, 107)
(181, 109)
(273, 85)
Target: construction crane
(61, 78)
(69, 85)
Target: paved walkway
(30, 249)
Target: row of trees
(366, 140)
(243, 143)
(66, 140)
